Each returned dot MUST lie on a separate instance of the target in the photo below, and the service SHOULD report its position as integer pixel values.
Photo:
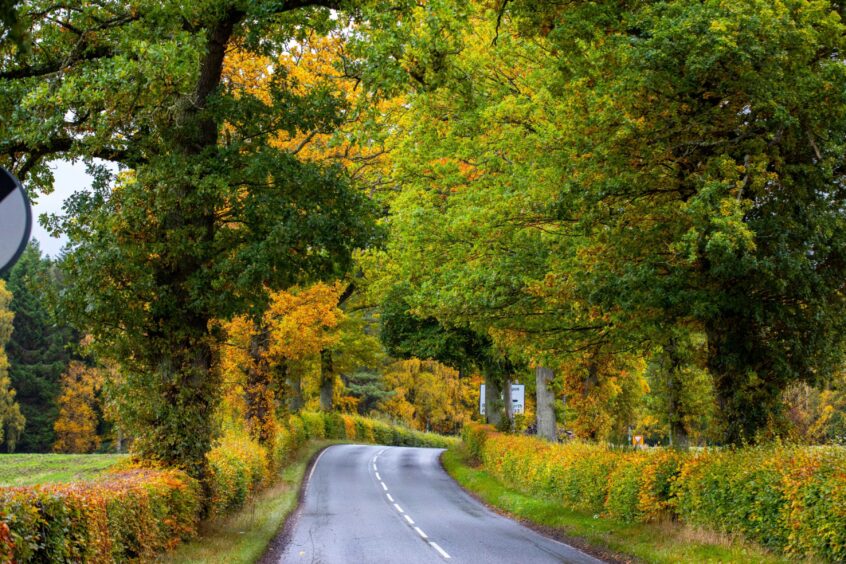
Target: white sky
(70, 178)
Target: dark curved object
(8, 184)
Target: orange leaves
(76, 427)
(429, 395)
(301, 322)
(117, 518)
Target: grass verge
(32, 469)
(244, 536)
(613, 540)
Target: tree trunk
(493, 401)
(545, 404)
(678, 432)
(509, 405)
(295, 387)
(327, 380)
(260, 399)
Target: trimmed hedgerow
(132, 514)
(788, 498)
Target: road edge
(580, 544)
(276, 547)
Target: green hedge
(788, 498)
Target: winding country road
(374, 504)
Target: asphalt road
(374, 504)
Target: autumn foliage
(128, 515)
(787, 498)
(76, 427)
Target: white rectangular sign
(518, 399)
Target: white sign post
(15, 220)
(518, 398)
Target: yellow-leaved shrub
(788, 498)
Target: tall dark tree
(209, 215)
(40, 347)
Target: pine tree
(38, 349)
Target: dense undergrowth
(134, 513)
(791, 499)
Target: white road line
(399, 508)
(420, 532)
(374, 467)
(384, 487)
(409, 519)
(439, 549)
(390, 498)
(378, 477)
(314, 466)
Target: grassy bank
(31, 469)
(658, 542)
(243, 536)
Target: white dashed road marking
(439, 549)
(408, 519)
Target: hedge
(124, 516)
(136, 513)
(788, 498)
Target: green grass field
(31, 469)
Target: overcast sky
(70, 178)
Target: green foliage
(39, 347)
(209, 216)
(602, 173)
(314, 425)
(786, 498)
(368, 388)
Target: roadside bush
(350, 427)
(315, 428)
(791, 499)
(238, 466)
(130, 515)
(334, 426)
(297, 433)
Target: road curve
(375, 504)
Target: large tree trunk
(327, 380)
(678, 432)
(545, 404)
(260, 397)
(180, 342)
(493, 400)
